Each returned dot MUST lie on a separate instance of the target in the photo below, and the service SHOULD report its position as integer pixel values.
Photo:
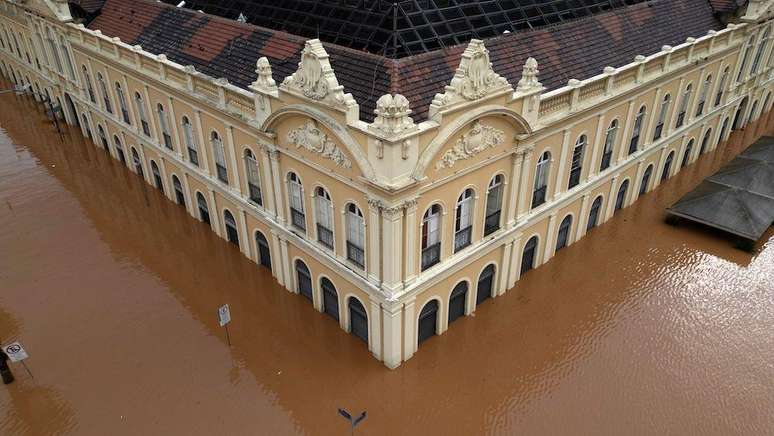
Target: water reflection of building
(306, 155)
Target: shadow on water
(638, 326)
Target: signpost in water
(224, 317)
(17, 353)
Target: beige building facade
(396, 228)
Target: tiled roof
(578, 49)
(90, 6)
(725, 6)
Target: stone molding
(311, 138)
(479, 138)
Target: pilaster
(582, 218)
(611, 197)
(173, 124)
(505, 266)
(525, 185)
(514, 272)
(517, 160)
(392, 223)
(278, 182)
(392, 329)
(245, 245)
(409, 343)
(410, 240)
(231, 149)
(375, 332)
(599, 141)
(374, 240)
(549, 248)
(204, 148)
(214, 213)
(626, 136)
(560, 185)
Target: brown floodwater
(639, 328)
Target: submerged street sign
(224, 315)
(15, 352)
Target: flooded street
(639, 328)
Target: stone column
(278, 182)
(204, 148)
(231, 149)
(611, 197)
(283, 243)
(599, 142)
(560, 185)
(268, 181)
(517, 160)
(173, 125)
(190, 201)
(392, 329)
(626, 136)
(582, 218)
(636, 183)
(392, 246)
(504, 272)
(214, 213)
(678, 101)
(549, 248)
(515, 268)
(277, 264)
(151, 116)
(409, 343)
(659, 170)
(245, 246)
(374, 242)
(525, 187)
(410, 241)
(165, 182)
(375, 330)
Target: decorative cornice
(477, 139)
(311, 138)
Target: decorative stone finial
(190, 69)
(392, 114)
(529, 75)
(162, 57)
(137, 47)
(264, 80)
(573, 83)
(222, 81)
(609, 70)
(639, 58)
(666, 48)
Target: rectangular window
(190, 143)
(164, 128)
(143, 118)
(355, 239)
(324, 221)
(463, 224)
(297, 216)
(220, 159)
(253, 181)
(493, 209)
(576, 167)
(431, 241)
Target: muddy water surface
(640, 328)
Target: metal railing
(222, 173)
(539, 197)
(355, 254)
(431, 255)
(167, 140)
(492, 223)
(298, 219)
(462, 238)
(325, 236)
(606, 158)
(255, 194)
(193, 156)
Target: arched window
(645, 182)
(485, 284)
(703, 95)
(355, 235)
(662, 114)
(463, 220)
(141, 112)
(157, 180)
(753, 109)
(264, 254)
(104, 92)
(765, 107)
(52, 46)
(528, 256)
(358, 319)
(85, 121)
(594, 213)
(231, 228)
(721, 85)
(739, 117)
(577, 162)
(137, 163)
(684, 105)
(164, 125)
(220, 156)
(324, 212)
(607, 152)
(687, 155)
(190, 142)
(761, 49)
(179, 193)
(457, 301)
(667, 166)
(330, 298)
(304, 280)
(541, 180)
(747, 51)
(119, 149)
(563, 235)
(102, 137)
(494, 204)
(253, 178)
(705, 141)
(66, 55)
(296, 196)
(431, 237)
(621, 197)
(428, 321)
(87, 84)
(122, 103)
(638, 121)
(204, 211)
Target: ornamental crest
(479, 77)
(309, 78)
(311, 138)
(478, 139)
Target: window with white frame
(747, 51)
(253, 178)
(607, 151)
(721, 85)
(638, 122)
(541, 180)
(141, 112)
(122, 103)
(463, 220)
(87, 83)
(105, 95)
(164, 125)
(66, 55)
(355, 235)
(761, 50)
(54, 51)
(703, 95)
(494, 204)
(576, 167)
(684, 105)
(324, 211)
(220, 156)
(296, 200)
(431, 237)
(190, 141)
(662, 114)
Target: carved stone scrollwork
(374, 204)
(312, 139)
(478, 139)
(309, 76)
(392, 213)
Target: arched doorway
(157, 181)
(85, 123)
(231, 228)
(687, 154)
(137, 163)
(428, 321)
(204, 211)
(71, 115)
(103, 138)
(304, 278)
(621, 198)
(119, 150)
(358, 319)
(264, 255)
(457, 301)
(563, 236)
(485, 282)
(528, 255)
(178, 187)
(645, 180)
(738, 118)
(723, 131)
(667, 166)
(330, 298)
(594, 213)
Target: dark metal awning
(739, 198)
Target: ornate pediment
(58, 9)
(479, 138)
(473, 80)
(311, 138)
(314, 79)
